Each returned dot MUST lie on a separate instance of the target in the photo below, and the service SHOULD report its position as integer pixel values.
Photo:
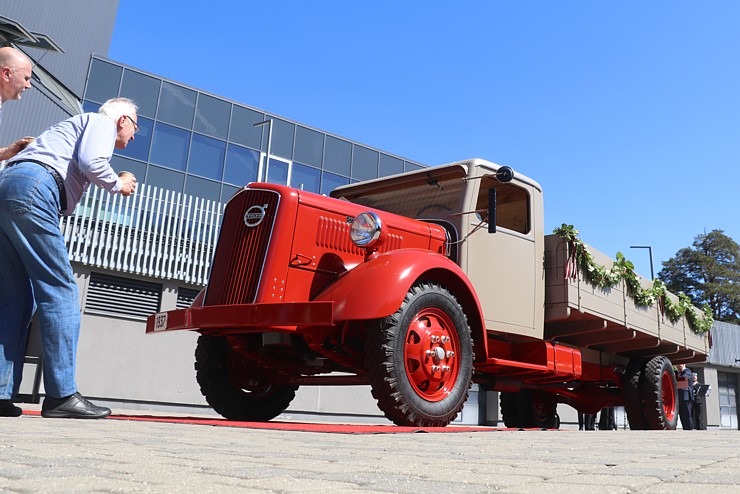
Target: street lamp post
(267, 122)
(650, 251)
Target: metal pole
(650, 251)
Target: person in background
(685, 396)
(45, 180)
(697, 411)
(607, 420)
(15, 78)
(586, 421)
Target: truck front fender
(377, 287)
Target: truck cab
(506, 268)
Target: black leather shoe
(72, 407)
(7, 409)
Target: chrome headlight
(366, 229)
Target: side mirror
(504, 174)
(492, 209)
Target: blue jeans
(35, 273)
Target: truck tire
(537, 409)
(529, 409)
(509, 414)
(420, 359)
(235, 387)
(660, 394)
(631, 391)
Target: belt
(55, 175)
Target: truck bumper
(285, 316)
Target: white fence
(156, 233)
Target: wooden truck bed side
(581, 314)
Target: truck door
(503, 265)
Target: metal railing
(156, 233)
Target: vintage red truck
(420, 284)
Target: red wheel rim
(668, 395)
(431, 354)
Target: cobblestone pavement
(53, 455)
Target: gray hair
(115, 108)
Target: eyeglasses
(136, 126)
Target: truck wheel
(235, 387)
(529, 408)
(660, 394)
(420, 359)
(537, 409)
(632, 394)
(509, 414)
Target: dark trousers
(684, 413)
(697, 413)
(606, 419)
(586, 421)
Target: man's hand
(128, 183)
(8, 152)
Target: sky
(627, 112)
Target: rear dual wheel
(529, 409)
(651, 394)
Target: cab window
(512, 205)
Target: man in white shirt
(45, 180)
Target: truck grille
(241, 249)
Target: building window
(305, 178)
(206, 157)
(389, 165)
(329, 182)
(139, 147)
(337, 156)
(138, 168)
(728, 403)
(277, 172)
(176, 105)
(242, 130)
(144, 90)
(90, 107)
(202, 188)
(227, 192)
(309, 146)
(170, 146)
(212, 116)
(412, 167)
(282, 138)
(104, 80)
(364, 163)
(124, 297)
(242, 165)
(165, 178)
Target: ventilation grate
(112, 295)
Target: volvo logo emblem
(254, 215)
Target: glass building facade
(203, 145)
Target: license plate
(160, 321)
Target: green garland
(623, 269)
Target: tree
(709, 273)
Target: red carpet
(296, 426)
(303, 426)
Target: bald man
(15, 77)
